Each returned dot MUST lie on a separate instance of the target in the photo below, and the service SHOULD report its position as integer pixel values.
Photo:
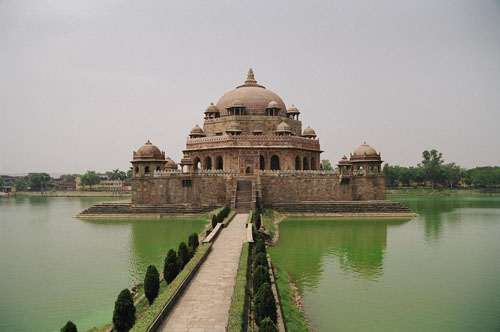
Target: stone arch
(305, 164)
(146, 170)
(158, 168)
(196, 163)
(297, 163)
(248, 170)
(136, 170)
(275, 163)
(219, 164)
(313, 163)
(208, 163)
(262, 161)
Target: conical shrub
(260, 276)
(264, 304)
(151, 283)
(69, 327)
(124, 313)
(171, 268)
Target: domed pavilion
(251, 150)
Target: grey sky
(84, 83)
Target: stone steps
(342, 207)
(127, 208)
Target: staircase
(243, 196)
(343, 207)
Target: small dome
(170, 163)
(186, 160)
(148, 152)
(365, 152)
(283, 127)
(236, 103)
(344, 161)
(293, 110)
(211, 109)
(196, 130)
(234, 127)
(273, 104)
(309, 132)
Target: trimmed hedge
(149, 316)
(228, 218)
(238, 304)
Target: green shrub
(215, 220)
(260, 259)
(69, 327)
(190, 253)
(264, 304)
(171, 268)
(151, 283)
(260, 246)
(256, 220)
(182, 252)
(124, 313)
(267, 325)
(260, 276)
(193, 241)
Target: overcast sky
(84, 83)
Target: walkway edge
(170, 304)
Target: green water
(437, 272)
(55, 268)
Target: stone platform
(125, 209)
(382, 208)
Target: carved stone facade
(252, 151)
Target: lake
(55, 268)
(436, 272)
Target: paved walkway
(204, 306)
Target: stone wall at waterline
(216, 188)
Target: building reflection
(358, 245)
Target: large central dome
(252, 95)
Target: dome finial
(250, 77)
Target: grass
(268, 217)
(295, 320)
(149, 315)
(237, 311)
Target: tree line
(432, 171)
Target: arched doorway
(196, 164)
(313, 163)
(208, 163)
(146, 169)
(248, 170)
(305, 164)
(275, 163)
(297, 163)
(262, 163)
(218, 163)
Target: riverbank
(441, 192)
(75, 193)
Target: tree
(267, 325)
(124, 313)
(260, 259)
(265, 304)
(151, 283)
(183, 254)
(116, 174)
(326, 165)
(260, 246)
(193, 241)
(39, 181)
(20, 185)
(129, 174)
(69, 327)
(452, 174)
(432, 166)
(90, 178)
(260, 276)
(391, 178)
(171, 268)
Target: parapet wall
(307, 186)
(216, 188)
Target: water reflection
(150, 239)
(434, 211)
(358, 244)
